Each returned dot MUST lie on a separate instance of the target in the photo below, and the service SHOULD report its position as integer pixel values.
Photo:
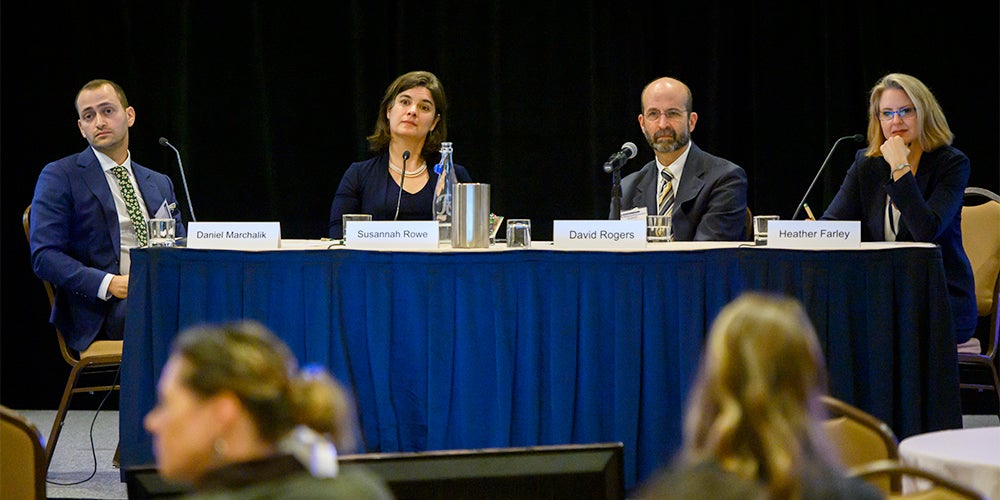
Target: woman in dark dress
(411, 119)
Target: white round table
(968, 456)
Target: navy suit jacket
(709, 205)
(930, 207)
(76, 240)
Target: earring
(219, 447)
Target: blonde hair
(754, 407)
(934, 131)
(246, 359)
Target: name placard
(234, 235)
(818, 234)
(381, 235)
(599, 233)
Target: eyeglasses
(654, 115)
(902, 113)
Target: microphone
(402, 177)
(165, 142)
(618, 160)
(856, 137)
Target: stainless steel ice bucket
(470, 227)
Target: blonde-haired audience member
(236, 418)
(752, 426)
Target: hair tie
(314, 451)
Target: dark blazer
(707, 479)
(76, 240)
(367, 188)
(710, 203)
(930, 206)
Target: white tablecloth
(968, 456)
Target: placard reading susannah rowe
(391, 235)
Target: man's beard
(673, 142)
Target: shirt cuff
(102, 292)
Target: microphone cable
(93, 448)
(402, 177)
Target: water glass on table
(162, 232)
(659, 228)
(518, 233)
(760, 223)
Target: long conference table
(467, 349)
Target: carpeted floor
(75, 472)
(74, 458)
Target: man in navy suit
(709, 194)
(81, 229)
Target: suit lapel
(151, 195)
(692, 180)
(922, 178)
(878, 213)
(645, 189)
(96, 180)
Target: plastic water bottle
(444, 192)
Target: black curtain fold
(270, 101)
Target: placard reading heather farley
(234, 235)
(392, 235)
(599, 234)
(819, 234)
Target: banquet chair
(940, 487)
(748, 233)
(981, 239)
(859, 438)
(101, 358)
(22, 458)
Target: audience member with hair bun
(236, 418)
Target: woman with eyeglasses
(909, 183)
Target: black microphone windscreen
(632, 150)
(406, 155)
(859, 138)
(164, 141)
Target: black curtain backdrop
(270, 101)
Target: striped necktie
(131, 204)
(665, 202)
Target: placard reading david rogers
(599, 233)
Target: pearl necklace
(414, 173)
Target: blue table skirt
(468, 350)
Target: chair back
(981, 239)
(860, 438)
(940, 487)
(748, 233)
(22, 458)
(71, 357)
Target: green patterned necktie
(132, 204)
